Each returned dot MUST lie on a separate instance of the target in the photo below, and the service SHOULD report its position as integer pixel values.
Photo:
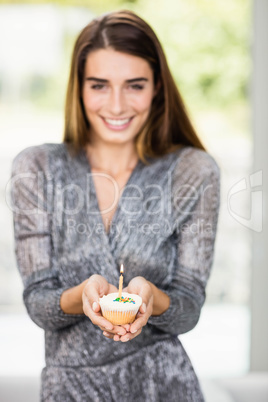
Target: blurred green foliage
(208, 47)
(207, 44)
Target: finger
(143, 308)
(90, 304)
(92, 292)
(96, 307)
(127, 327)
(140, 322)
(125, 338)
(96, 318)
(120, 330)
(117, 330)
(108, 334)
(102, 322)
(93, 310)
(129, 336)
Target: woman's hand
(139, 286)
(96, 287)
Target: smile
(117, 122)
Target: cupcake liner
(119, 317)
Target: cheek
(92, 103)
(144, 104)
(91, 107)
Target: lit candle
(121, 281)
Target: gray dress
(163, 229)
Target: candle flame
(121, 268)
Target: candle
(121, 281)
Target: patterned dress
(163, 229)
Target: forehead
(109, 63)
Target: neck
(112, 159)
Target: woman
(130, 184)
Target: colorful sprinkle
(124, 300)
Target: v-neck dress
(163, 229)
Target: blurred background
(208, 46)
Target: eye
(137, 87)
(97, 86)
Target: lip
(117, 127)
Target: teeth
(117, 122)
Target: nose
(117, 102)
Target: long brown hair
(168, 125)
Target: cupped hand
(139, 286)
(96, 287)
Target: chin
(118, 138)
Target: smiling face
(117, 93)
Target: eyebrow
(105, 81)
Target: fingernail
(94, 306)
(144, 307)
(133, 331)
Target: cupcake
(120, 310)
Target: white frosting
(107, 302)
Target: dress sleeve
(33, 241)
(196, 207)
